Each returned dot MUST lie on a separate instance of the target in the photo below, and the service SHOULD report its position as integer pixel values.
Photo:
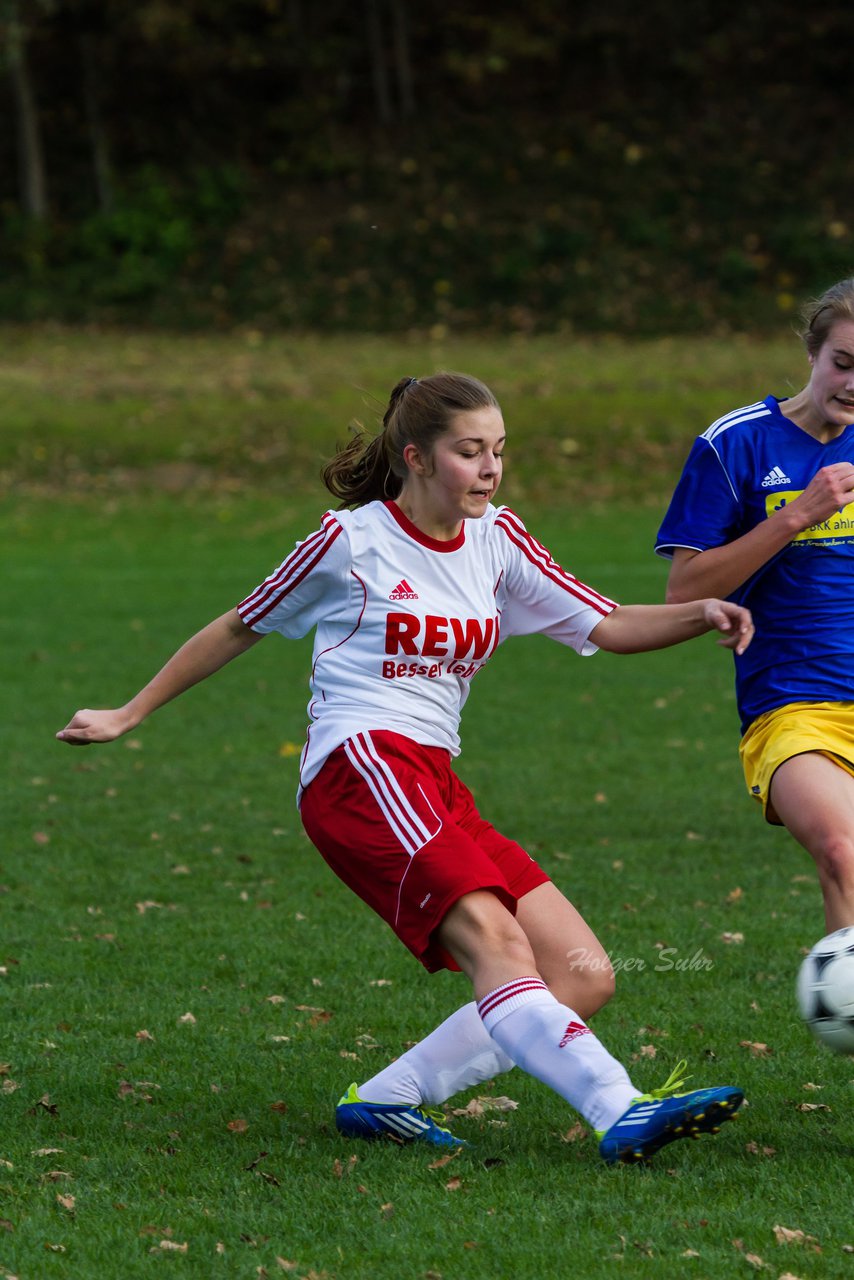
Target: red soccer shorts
(395, 823)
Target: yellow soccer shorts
(776, 736)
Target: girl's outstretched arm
(203, 654)
(637, 628)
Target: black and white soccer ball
(826, 990)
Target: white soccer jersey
(403, 622)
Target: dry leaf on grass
(577, 1133)
(340, 1169)
(443, 1160)
(789, 1235)
(46, 1105)
(757, 1049)
(477, 1106)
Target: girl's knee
(834, 857)
(585, 987)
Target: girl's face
(831, 385)
(463, 472)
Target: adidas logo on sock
(774, 477)
(403, 591)
(573, 1031)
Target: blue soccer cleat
(371, 1120)
(656, 1118)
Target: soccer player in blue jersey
(764, 514)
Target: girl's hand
(88, 726)
(830, 489)
(733, 621)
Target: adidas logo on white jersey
(774, 477)
(403, 591)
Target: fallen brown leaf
(753, 1149)
(477, 1106)
(757, 1049)
(45, 1103)
(577, 1133)
(789, 1235)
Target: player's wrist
(793, 519)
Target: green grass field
(186, 988)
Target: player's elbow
(614, 634)
(678, 592)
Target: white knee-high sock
(551, 1042)
(458, 1054)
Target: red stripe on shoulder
(291, 572)
(542, 559)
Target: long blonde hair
(419, 410)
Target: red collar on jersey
(414, 532)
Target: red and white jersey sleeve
(403, 623)
(311, 584)
(539, 596)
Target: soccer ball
(826, 990)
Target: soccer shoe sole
(702, 1117)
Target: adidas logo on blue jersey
(774, 477)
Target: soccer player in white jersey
(764, 514)
(409, 587)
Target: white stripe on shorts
(407, 825)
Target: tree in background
(392, 163)
(14, 37)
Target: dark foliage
(383, 164)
